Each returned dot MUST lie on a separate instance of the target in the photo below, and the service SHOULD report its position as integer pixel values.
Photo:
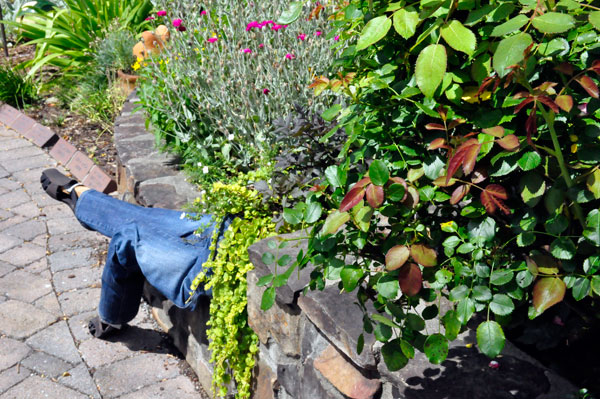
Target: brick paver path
(50, 269)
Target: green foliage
(216, 104)
(64, 36)
(15, 88)
(114, 52)
(17, 10)
(470, 167)
(233, 344)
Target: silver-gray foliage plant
(220, 99)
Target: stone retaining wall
(308, 342)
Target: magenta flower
(269, 22)
(212, 39)
(261, 45)
(203, 12)
(301, 36)
(246, 51)
(266, 91)
(150, 18)
(253, 24)
(290, 56)
(276, 27)
(336, 38)
(161, 13)
(318, 33)
(177, 22)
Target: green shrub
(114, 52)
(215, 102)
(470, 174)
(15, 88)
(64, 36)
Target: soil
(87, 136)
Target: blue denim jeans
(155, 244)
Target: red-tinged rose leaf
(362, 182)
(441, 182)
(459, 193)
(479, 175)
(318, 81)
(423, 255)
(509, 142)
(492, 198)
(521, 94)
(455, 123)
(565, 102)
(443, 112)
(465, 155)
(351, 199)
(437, 143)
(565, 68)
(375, 195)
(412, 198)
(496, 131)
(317, 188)
(486, 82)
(588, 85)
(548, 291)
(596, 66)
(396, 257)
(410, 279)
(434, 126)
(523, 103)
(531, 266)
(531, 127)
(547, 101)
(547, 87)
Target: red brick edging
(76, 161)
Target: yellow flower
(136, 66)
(573, 148)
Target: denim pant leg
(151, 243)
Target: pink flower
(318, 33)
(150, 18)
(246, 50)
(301, 36)
(268, 22)
(261, 45)
(494, 365)
(336, 38)
(276, 27)
(177, 22)
(212, 39)
(203, 12)
(253, 24)
(266, 91)
(161, 13)
(290, 56)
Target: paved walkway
(50, 270)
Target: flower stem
(561, 161)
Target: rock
(344, 376)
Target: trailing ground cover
(469, 175)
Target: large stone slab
(115, 379)
(45, 364)
(11, 352)
(179, 387)
(24, 286)
(57, 341)
(12, 377)
(79, 378)
(20, 320)
(44, 388)
(82, 277)
(23, 255)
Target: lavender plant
(229, 72)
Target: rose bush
(470, 174)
